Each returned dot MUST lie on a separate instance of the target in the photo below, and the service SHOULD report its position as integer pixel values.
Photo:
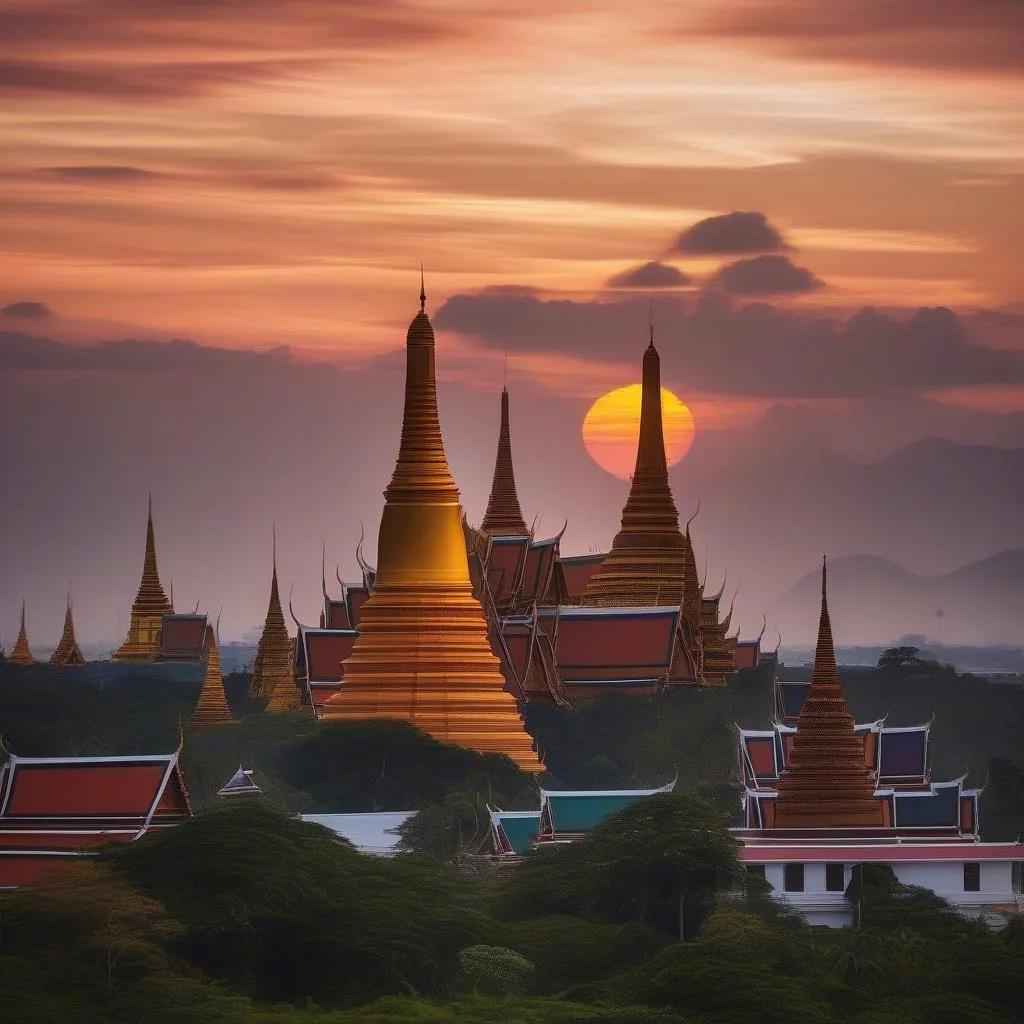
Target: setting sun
(612, 426)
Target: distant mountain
(873, 600)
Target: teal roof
(520, 828)
(580, 812)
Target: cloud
(985, 36)
(766, 275)
(650, 275)
(757, 349)
(731, 233)
(27, 310)
(20, 352)
(96, 173)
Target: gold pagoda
(827, 783)
(68, 652)
(503, 515)
(212, 707)
(22, 653)
(422, 654)
(273, 680)
(148, 611)
(646, 566)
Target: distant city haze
(818, 207)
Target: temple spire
(68, 652)
(503, 515)
(423, 291)
(423, 654)
(272, 677)
(150, 607)
(828, 783)
(22, 653)
(646, 565)
(212, 707)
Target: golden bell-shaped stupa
(647, 563)
(422, 654)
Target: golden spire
(646, 565)
(827, 784)
(68, 652)
(422, 654)
(212, 707)
(503, 515)
(272, 676)
(149, 609)
(22, 653)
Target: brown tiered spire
(149, 609)
(272, 677)
(827, 784)
(212, 707)
(68, 652)
(22, 653)
(503, 515)
(422, 654)
(646, 565)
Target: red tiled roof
(635, 639)
(882, 853)
(337, 615)
(182, 636)
(747, 654)
(539, 562)
(357, 597)
(325, 651)
(577, 570)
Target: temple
(22, 653)
(151, 605)
(564, 816)
(56, 809)
(637, 620)
(212, 707)
(273, 681)
(422, 652)
(68, 653)
(823, 794)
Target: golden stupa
(212, 707)
(22, 653)
(827, 784)
(647, 563)
(503, 515)
(422, 654)
(68, 653)
(272, 676)
(149, 609)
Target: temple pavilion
(823, 794)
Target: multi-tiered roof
(272, 677)
(22, 653)
(68, 652)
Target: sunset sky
(256, 174)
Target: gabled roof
(582, 810)
(137, 790)
(182, 637)
(240, 784)
(514, 831)
(577, 570)
(324, 651)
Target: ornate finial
(650, 321)
(824, 576)
(150, 504)
(170, 587)
(273, 546)
(423, 291)
(323, 570)
(195, 611)
(504, 380)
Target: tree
(493, 971)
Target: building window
(835, 878)
(758, 869)
(972, 878)
(793, 878)
(1018, 877)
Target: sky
(825, 202)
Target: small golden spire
(22, 653)
(272, 677)
(212, 707)
(504, 515)
(68, 653)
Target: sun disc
(611, 429)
